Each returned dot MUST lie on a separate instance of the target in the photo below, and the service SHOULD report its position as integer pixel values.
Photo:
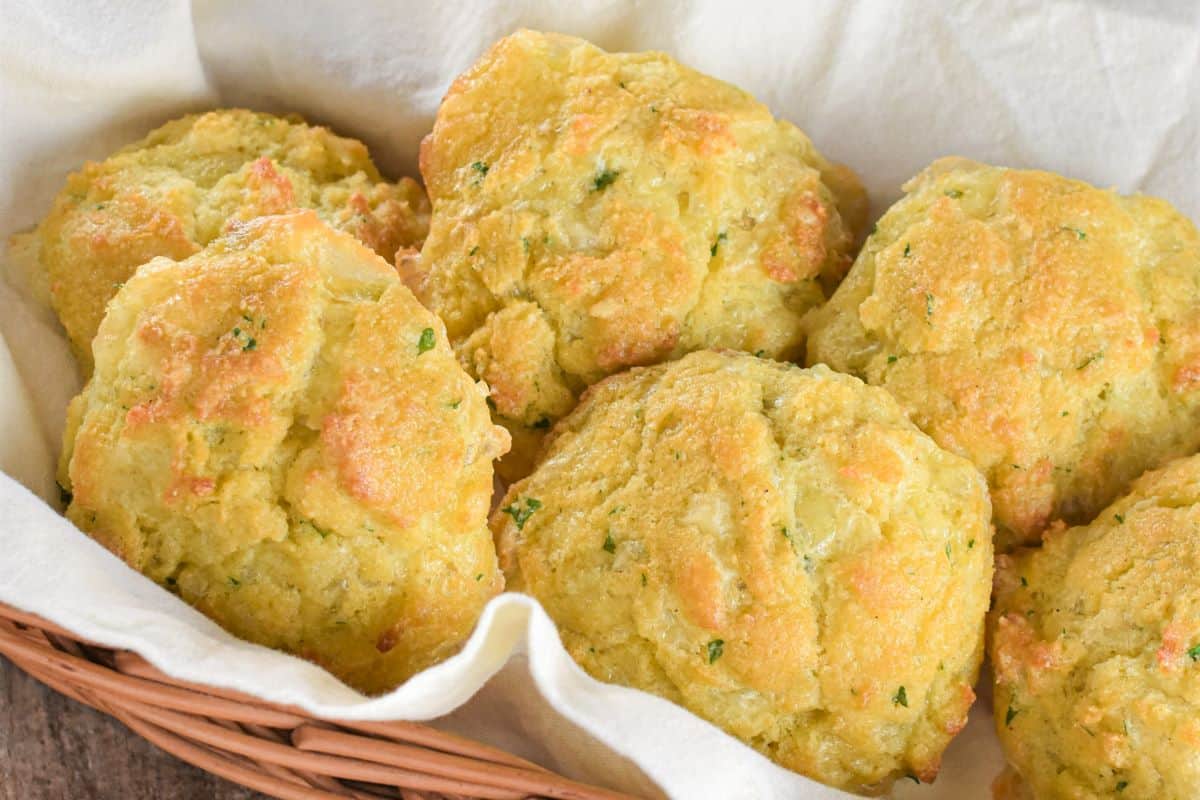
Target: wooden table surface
(52, 748)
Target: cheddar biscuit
(778, 550)
(185, 183)
(1044, 329)
(595, 211)
(1095, 645)
(277, 431)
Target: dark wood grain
(52, 748)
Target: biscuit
(1044, 329)
(595, 211)
(778, 550)
(185, 183)
(277, 431)
(1095, 645)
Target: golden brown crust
(778, 550)
(1095, 645)
(279, 432)
(1046, 330)
(634, 210)
(185, 183)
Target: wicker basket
(279, 751)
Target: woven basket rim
(277, 750)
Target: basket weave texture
(279, 751)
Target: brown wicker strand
(94, 676)
(399, 731)
(277, 750)
(322, 740)
(318, 781)
(218, 764)
(34, 621)
(62, 687)
(423, 735)
(211, 761)
(301, 777)
(336, 766)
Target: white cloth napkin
(1095, 90)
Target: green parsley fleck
(1065, 414)
(479, 577)
(907, 249)
(250, 342)
(525, 243)
(722, 236)
(320, 532)
(1120, 518)
(604, 179)
(893, 359)
(473, 250)
(234, 582)
(1121, 785)
(928, 305)
(947, 551)
(759, 353)
(954, 193)
(455, 404)
(1023, 581)
(1089, 360)
(609, 545)
(715, 648)
(521, 515)
(971, 545)
(1078, 233)
(900, 698)
(1194, 652)
(426, 341)
(480, 167)
(643, 579)
(1010, 715)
